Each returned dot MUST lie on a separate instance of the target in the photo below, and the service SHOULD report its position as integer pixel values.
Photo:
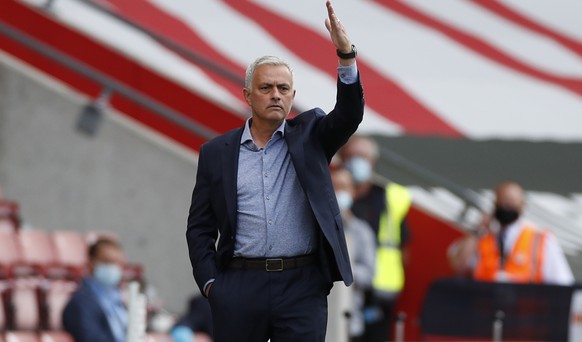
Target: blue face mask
(360, 168)
(108, 274)
(344, 200)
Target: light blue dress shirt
(110, 301)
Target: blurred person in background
(508, 248)
(95, 312)
(195, 325)
(385, 209)
(362, 250)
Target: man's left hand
(337, 32)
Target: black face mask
(506, 216)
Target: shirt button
(268, 198)
(270, 248)
(270, 222)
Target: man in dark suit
(95, 312)
(266, 189)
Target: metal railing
(106, 82)
(470, 198)
(167, 42)
(188, 54)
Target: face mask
(360, 168)
(344, 200)
(506, 216)
(108, 274)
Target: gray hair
(265, 60)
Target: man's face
(271, 94)
(358, 147)
(108, 254)
(342, 181)
(510, 196)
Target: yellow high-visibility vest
(389, 277)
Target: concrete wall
(126, 179)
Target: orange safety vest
(524, 263)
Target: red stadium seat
(71, 251)
(55, 336)
(38, 251)
(23, 301)
(37, 247)
(56, 296)
(10, 254)
(9, 215)
(21, 336)
(7, 225)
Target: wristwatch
(348, 55)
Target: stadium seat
(10, 255)
(7, 225)
(38, 251)
(23, 303)
(21, 336)
(9, 215)
(55, 336)
(71, 251)
(55, 297)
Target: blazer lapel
(229, 173)
(293, 139)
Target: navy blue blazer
(84, 319)
(312, 138)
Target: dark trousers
(255, 305)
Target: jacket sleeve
(82, 320)
(338, 126)
(201, 232)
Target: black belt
(273, 264)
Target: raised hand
(337, 32)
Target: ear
(247, 96)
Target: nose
(276, 95)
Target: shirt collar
(246, 136)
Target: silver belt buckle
(274, 265)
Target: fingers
(332, 22)
(330, 12)
(336, 30)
